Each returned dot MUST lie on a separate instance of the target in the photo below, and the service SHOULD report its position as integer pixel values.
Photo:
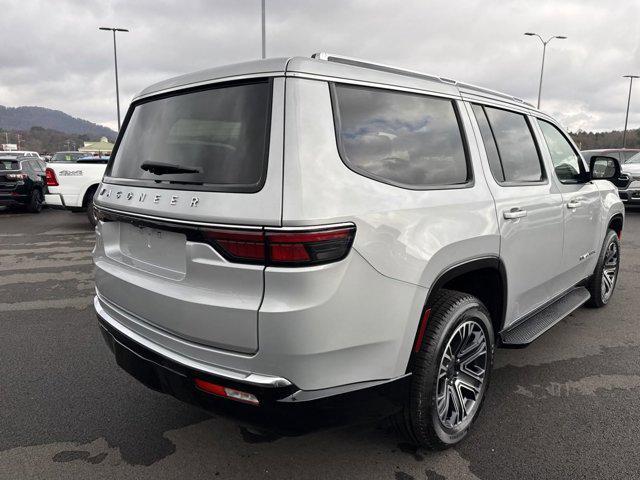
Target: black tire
(91, 213)
(595, 284)
(420, 420)
(35, 201)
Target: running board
(526, 331)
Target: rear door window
(517, 149)
(404, 139)
(489, 143)
(212, 139)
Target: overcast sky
(53, 55)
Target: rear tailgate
(7, 169)
(151, 263)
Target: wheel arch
(91, 189)
(484, 278)
(616, 223)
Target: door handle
(575, 203)
(515, 212)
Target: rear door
(186, 165)
(528, 205)
(582, 206)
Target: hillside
(46, 140)
(612, 139)
(23, 118)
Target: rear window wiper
(158, 168)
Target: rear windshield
(67, 156)
(9, 165)
(214, 139)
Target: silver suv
(307, 238)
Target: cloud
(55, 56)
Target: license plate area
(153, 250)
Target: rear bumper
(284, 409)
(58, 200)
(54, 200)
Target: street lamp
(264, 33)
(115, 60)
(626, 118)
(544, 51)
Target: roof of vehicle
(329, 66)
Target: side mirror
(604, 168)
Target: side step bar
(526, 331)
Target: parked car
(629, 191)
(629, 182)
(22, 182)
(72, 183)
(366, 233)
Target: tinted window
(400, 138)
(566, 162)
(67, 156)
(627, 155)
(216, 138)
(518, 152)
(26, 166)
(489, 143)
(9, 165)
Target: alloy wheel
(609, 271)
(462, 374)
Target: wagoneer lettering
(322, 231)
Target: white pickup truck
(72, 184)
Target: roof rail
(357, 62)
(469, 86)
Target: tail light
(226, 392)
(50, 175)
(283, 248)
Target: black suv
(22, 182)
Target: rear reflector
(283, 248)
(52, 181)
(421, 328)
(226, 392)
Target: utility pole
(264, 32)
(626, 117)
(115, 61)
(544, 52)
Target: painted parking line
(79, 303)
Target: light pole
(264, 33)
(115, 61)
(626, 118)
(544, 51)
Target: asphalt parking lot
(566, 407)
